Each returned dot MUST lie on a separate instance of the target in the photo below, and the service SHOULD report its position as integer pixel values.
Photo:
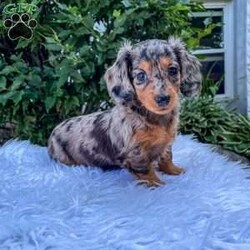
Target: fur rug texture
(46, 205)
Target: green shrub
(48, 78)
(211, 123)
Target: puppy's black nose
(162, 100)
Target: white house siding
(240, 86)
(248, 57)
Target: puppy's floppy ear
(191, 77)
(118, 77)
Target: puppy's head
(153, 72)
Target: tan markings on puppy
(170, 168)
(167, 166)
(172, 91)
(146, 97)
(146, 93)
(151, 137)
(146, 66)
(157, 76)
(165, 62)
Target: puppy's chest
(154, 138)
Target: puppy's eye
(172, 71)
(141, 77)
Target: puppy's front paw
(149, 177)
(151, 182)
(171, 169)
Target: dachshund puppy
(145, 84)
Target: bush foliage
(210, 122)
(48, 78)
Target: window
(216, 50)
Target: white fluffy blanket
(45, 205)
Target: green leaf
(116, 13)
(22, 44)
(53, 47)
(7, 70)
(50, 102)
(2, 83)
(17, 96)
(17, 83)
(35, 80)
(75, 101)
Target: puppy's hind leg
(58, 151)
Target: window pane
(213, 69)
(205, 20)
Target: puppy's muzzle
(126, 96)
(162, 100)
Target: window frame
(228, 50)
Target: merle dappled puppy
(144, 82)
